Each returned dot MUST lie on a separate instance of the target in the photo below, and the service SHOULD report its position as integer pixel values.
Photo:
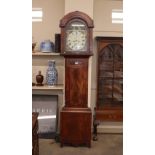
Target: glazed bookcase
(109, 106)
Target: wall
(102, 18)
(54, 10)
(80, 5)
(103, 27)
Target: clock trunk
(76, 82)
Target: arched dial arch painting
(109, 79)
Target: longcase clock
(76, 47)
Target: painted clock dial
(76, 37)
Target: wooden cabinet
(109, 79)
(35, 143)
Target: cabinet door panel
(76, 82)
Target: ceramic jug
(47, 46)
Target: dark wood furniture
(76, 47)
(35, 144)
(109, 105)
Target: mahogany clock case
(75, 116)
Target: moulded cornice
(76, 14)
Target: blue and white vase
(47, 46)
(51, 73)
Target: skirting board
(110, 127)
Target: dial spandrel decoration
(76, 37)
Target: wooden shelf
(46, 87)
(38, 53)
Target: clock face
(76, 37)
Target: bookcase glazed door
(110, 79)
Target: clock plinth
(76, 126)
(76, 47)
